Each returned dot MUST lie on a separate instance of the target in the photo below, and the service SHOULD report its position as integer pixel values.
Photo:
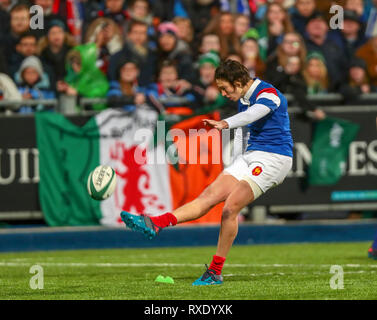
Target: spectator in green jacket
(83, 78)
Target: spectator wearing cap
(360, 7)
(171, 48)
(205, 89)
(315, 74)
(357, 82)
(126, 92)
(317, 40)
(53, 49)
(33, 83)
(272, 29)
(368, 52)
(135, 47)
(250, 54)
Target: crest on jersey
(257, 171)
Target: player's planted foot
(208, 278)
(140, 223)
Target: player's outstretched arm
(252, 114)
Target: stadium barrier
(74, 238)
(357, 189)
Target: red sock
(165, 220)
(217, 264)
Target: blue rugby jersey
(271, 133)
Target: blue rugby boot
(140, 223)
(208, 278)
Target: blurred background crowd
(135, 52)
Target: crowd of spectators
(136, 52)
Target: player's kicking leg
(215, 193)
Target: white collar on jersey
(246, 97)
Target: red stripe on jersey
(267, 90)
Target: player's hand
(220, 125)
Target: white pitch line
(295, 273)
(80, 264)
(234, 265)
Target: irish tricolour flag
(146, 181)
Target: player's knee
(230, 211)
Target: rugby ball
(101, 182)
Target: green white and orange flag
(146, 183)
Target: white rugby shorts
(266, 169)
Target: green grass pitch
(294, 271)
